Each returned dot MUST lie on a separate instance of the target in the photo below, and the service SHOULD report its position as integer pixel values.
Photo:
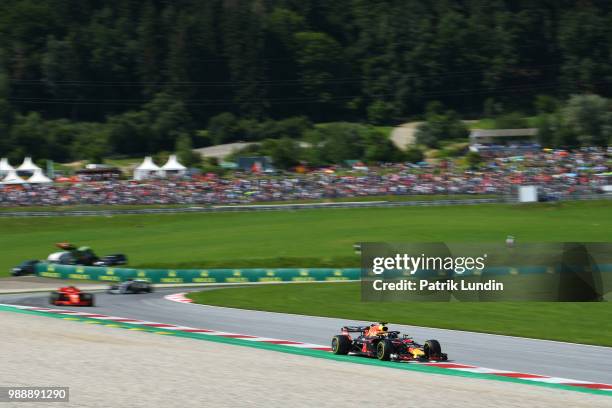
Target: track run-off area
(553, 364)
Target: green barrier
(110, 275)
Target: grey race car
(131, 286)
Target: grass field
(588, 323)
(301, 238)
(489, 123)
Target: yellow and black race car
(377, 341)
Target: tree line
(334, 143)
(98, 77)
(580, 121)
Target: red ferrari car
(71, 296)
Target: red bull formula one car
(377, 341)
(71, 296)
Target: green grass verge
(351, 261)
(489, 123)
(572, 322)
(308, 238)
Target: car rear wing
(355, 329)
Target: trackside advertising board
(110, 274)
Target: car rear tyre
(383, 350)
(432, 349)
(54, 297)
(341, 344)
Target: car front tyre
(432, 349)
(89, 299)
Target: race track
(556, 359)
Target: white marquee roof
(39, 178)
(148, 165)
(5, 165)
(173, 164)
(12, 178)
(27, 165)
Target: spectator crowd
(559, 174)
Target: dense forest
(153, 70)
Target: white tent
(146, 169)
(39, 178)
(172, 166)
(5, 166)
(28, 165)
(12, 178)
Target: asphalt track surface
(549, 358)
